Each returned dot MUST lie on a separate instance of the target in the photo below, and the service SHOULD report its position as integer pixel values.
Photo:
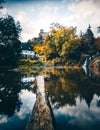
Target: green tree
(89, 49)
(72, 51)
(59, 38)
(9, 39)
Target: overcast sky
(39, 14)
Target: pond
(74, 98)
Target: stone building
(89, 36)
(43, 34)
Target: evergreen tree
(9, 39)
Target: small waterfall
(85, 65)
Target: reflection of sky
(79, 117)
(28, 100)
(19, 119)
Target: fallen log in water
(41, 118)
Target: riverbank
(28, 64)
(35, 68)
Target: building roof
(89, 36)
(89, 31)
(43, 34)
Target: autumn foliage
(62, 44)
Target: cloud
(79, 115)
(28, 99)
(82, 14)
(65, 12)
(28, 26)
(32, 25)
(3, 12)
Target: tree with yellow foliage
(59, 39)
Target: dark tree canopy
(9, 39)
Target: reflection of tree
(9, 89)
(98, 103)
(59, 92)
(65, 86)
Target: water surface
(74, 98)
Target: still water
(74, 98)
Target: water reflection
(19, 119)
(74, 99)
(92, 73)
(65, 86)
(79, 116)
(27, 80)
(9, 88)
(42, 116)
(16, 101)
